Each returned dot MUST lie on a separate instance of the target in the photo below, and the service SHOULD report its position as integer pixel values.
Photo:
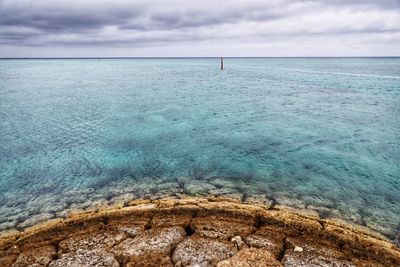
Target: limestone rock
(7, 261)
(131, 231)
(293, 224)
(86, 258)
(130, 226)
(197, 249)
(163, 220)
(40, 256)
(266, 239)
(238, 242)
(313, 254)
(105, 240)
(153, 241)
(219, 228)
(248, 257)
(154, 260)
(298, 249)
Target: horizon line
(197, 57)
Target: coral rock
(153, 241)
(197, 249)
(313, 254)
(86, 258)
(40, 256)
(104, 241)
(220, 229)
(251, 257)
(267, 239)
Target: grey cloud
(45, 23)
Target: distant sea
(317, 133)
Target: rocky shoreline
(208, 231)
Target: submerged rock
(36, 219)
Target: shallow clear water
(317, 133)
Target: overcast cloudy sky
(52, 28)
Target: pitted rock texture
(306, 252)
(158, 241)
(268, 239)
(197, 249)
(85, 258)
(202, 232)
(251, 257)
(40, 256)
(105, 241)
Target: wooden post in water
(222, 63)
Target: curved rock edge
(356, 242)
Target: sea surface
(317, 133)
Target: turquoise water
(316, 133)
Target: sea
(312, 133)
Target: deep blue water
(321, 133)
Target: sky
(198, 28)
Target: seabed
(207, 231)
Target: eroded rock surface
(40, 256)
(105, 241)
(306, 252)
(219, 228)
(86, 258)
(158, 241)
(248, 257)
(198, 249)
(198, 232)
(268, 239)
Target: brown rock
(86, 258)
(229, 211)
(364, 263)
(220, 229)
(7, 261)
(129, 221)
(267, 239)
(153, 241)
(60, 232)
(291, 223)
(197, 249)
(308, 252)
(154, 260)
(249, 257)
(238, 242)
(358, 244)
(40, 256)
(163, 220)
(103, 241)
(131, 226)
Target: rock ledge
(194, 231)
